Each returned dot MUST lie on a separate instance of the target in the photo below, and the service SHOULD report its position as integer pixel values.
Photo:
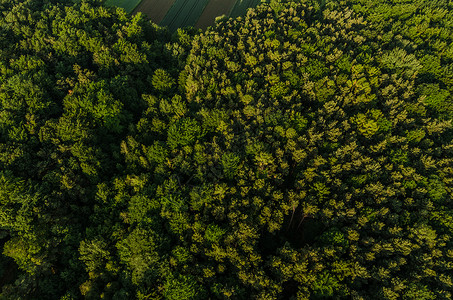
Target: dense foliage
(303, 151)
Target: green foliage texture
(303, 151)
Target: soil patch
(214, 9)
(154, 9)
(241, 7)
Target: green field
(242, 6)
(128, 5)
(184, 13)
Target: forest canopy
(303, 151)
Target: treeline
(303, 151)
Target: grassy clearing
(154, 9)
(240, 9)
(128, 5)
(184, 13)
(214, 9)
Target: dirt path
(154, 9)
(214, 9)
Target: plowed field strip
(241, 7)
(184, 13)
(154, 9)
(128, 5)
(214, 9)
